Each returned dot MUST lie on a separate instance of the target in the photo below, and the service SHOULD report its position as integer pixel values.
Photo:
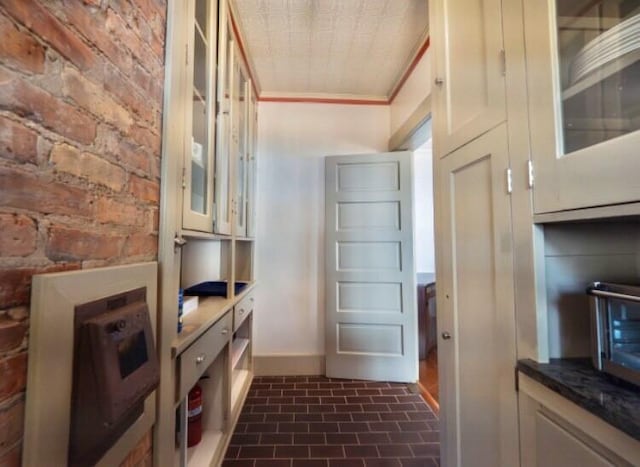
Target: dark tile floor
(313, 421)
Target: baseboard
(288, 365)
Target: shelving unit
(209, 186)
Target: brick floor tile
(256, 452)
(326, 451)
(293, 427)
(292, 452)
(342, 438)
(308, 417)
(337, 417)
(240, 439)
(354, 427)
(382, 463)
(395, 450)
(276, 438)
(323, 427)
(309, 438)
(366, 450)
(309, 463)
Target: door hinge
(509, 180)
(516, 377)
(184, 178)
(530, 176)
(503, 63)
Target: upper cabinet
(469, 85)
(240, 140)
(583, 65)
(199, 113)
(252, 164)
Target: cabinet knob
(225, 331)
(242, 311)
(200, 359)
(439, 81)
(446, 336)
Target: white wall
(424, 242)
(293, 140)
(415, 90)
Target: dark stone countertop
(614, 401)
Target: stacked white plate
(620, 40)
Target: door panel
(469, 94)
(476, 306)
(370, 311)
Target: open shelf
(238, 348)
(203, 235)
(240, 381)
(201, 455)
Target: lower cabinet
(215, 354)
(555, 432)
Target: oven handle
(621, 296)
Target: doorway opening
(424, 251)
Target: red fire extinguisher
(194, 420)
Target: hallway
(313, 421)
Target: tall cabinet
(535, 110)
(208, 150)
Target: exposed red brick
(110, 211)
(68, 159)
(119, 28)
(18, 237)
(11, 423)
(147, 138)
(11, 335)
(14, 375)
(40, 194)
(15, 284)
(134, 156)
(90, 23)
(17, 142)
(92, 97)
(141, 245)
(37, 18)
(13, 457)
(144, 189)
(32, 102)
(20, 49)
(68, 244)
(118, 85)
(142, 78)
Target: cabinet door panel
(584, 113)
(556, 447)
(476, 306)
(469, 91)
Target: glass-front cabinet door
(226, 60)
(239, 116)
(583, 65)
(252, 164)
(200, 137)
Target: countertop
(614, 401)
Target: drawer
(242, 310)
(197, 358)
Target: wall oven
(615, 329)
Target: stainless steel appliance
(615, 329)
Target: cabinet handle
(225, 331)
(242, 311)
(446, 336)
(200, 359)
(439, 81)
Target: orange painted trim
(324, 100)
(423, 49)
(242, 52)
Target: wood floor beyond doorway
(313, 421)
(429, 379)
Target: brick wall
(80, 123)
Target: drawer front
(242, 310)
(197, 358)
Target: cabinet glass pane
(199, 157)
(200, 49)
(599, 53)
(624, 333)
(242, 146)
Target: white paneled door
(371, 319)
(476, 318)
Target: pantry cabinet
(469, 85)
(203, 237)
(583, 66)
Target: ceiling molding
(412, 65)
(249, 65)
(323, 100)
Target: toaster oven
(615, 329)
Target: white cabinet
(583, 63)
(476, 319)
(240, 143)
(252, 165)
(469, 84)
(555, 432)
(199, 139)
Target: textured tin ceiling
(329, 48)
